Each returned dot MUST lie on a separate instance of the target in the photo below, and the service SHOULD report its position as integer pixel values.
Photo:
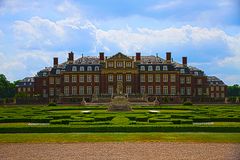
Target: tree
(7, 89)
(233, 91)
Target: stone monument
(119, 102)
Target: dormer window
(182, 71)
(142, 68)
(81, 68)
(150, 68)
(44, 74)
(110, 64)
(24, 84)
(96, 68)
(58, 71)
(74, 68)
(196, 73)
(89, 68)
(165, 68)
(158, 68)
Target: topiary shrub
(187, 103)
(52, 104)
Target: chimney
(55, 61)
(184, 61)
(168, 57)
(101, 56)
(138, 56)
(70, 57)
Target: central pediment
(119, 55)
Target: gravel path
(120, 151)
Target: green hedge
(142, 118)
(112, 128)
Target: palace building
(134, 76)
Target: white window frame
(66, 90)
(89, 68)
(81, 90)
(74, 90)
(165, 90)
(81, 78)
(150, 90)
(165, 77)
(66, 78)
(74, 78)
(165, 68)
(119, 77)
(110, 78)
(89, 90)
(129, 89)
(96, 78)
(158, 90)
(142, 78)
(142, 68)
(173, 90)
(89, 78)
(173, 78)
(142, 89)
(82, 68)
(128, 77)
(96, 68)
(158, 68)
(150, 78)
(150, 68)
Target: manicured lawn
(120, 137)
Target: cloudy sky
(208, 32)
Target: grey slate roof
(214, 80)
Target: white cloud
(144, 39)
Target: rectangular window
(19, 89)
(182, 91)
(212, 88)
(74, 78)
(128, 77)
(96, 78)
(222, 95)
(182, 80)
(142, 89)
(110, 64)
(119, 77)
(217, 88)
(66, 90)
(89, 90)
(89, 78)
(150, 78)
(58, 80)
(150, 89)
(173, 78)
(66, 78)
(188, 90)
(44, 83)
(128, 64)
(182, 71)
(165, 78)
(165, 90)
(74, 90)
(51, 80)
(217, 95)
(129, 89)
(28, 89)
(51, 91)
(173, 90)
(24, 89)
(199, 90)
(142, 78)
(81, 90)
(45, 93)
(212, 95)
(222, 88)
(119, 64)
(110, 89)
(199, 81)
(81, 78)
(188, 80)
(158, 90)
(110, 77)
(58, 91)
(157, 78)
(96, 90)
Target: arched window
(142, 68)
(158, 68)
(81, 68)
(165, 68)
(74, 68)
(150, 68)
(89, 68)
(96, 68)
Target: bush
(187, 103)
(52, 104)
(88, 119)
(142, 118)
(112, 128)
